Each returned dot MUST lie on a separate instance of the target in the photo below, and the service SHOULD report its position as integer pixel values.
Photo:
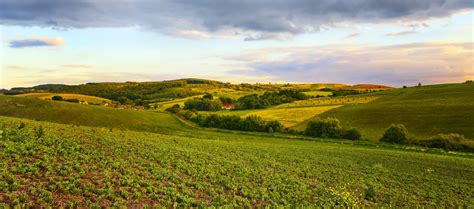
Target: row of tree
(269, 98)
(230, 122)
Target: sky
(395, 43)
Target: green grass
(425, 111)
(80, 97)
(66, 165)
(317, 93)
(87, 115)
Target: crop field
(425, 111)
(80, 97)
(330, 101)
(317, 93)
(292, 116)
(44, 164)
(288, 116)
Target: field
(71, 155)
(425, 111)
(87, 115)
(65, 165)
(80, 97)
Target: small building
(227, 106)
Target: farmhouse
(227, 106)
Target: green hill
(87, 115)
(77, 166)
(425, 111)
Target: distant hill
(145, 93)
(364, 87)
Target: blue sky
(393, 44)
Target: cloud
(353, 35)
(225, 18)
(36, 42)
(392, 65)
(77, 66)
(402, 33)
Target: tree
(57, 98)
(329, 127)
(227, 100)
(419, 84)
(396, 133)
(208, 96)
(352, 134)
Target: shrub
(396, 133)
(203, 104)
(57, 98)
(270, 130)
(328, 127)
(72, 100)
(352, 134)
(446, 142)
(174, 109)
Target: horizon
(364, 42)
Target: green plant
(329, 127)
(57, 98)
(352, 134)
(396, 133)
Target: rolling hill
(87, 115)
(425, 111)
(80, 97)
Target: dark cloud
(36, 42)
(268, 17)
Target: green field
(87, 115)
(83, 166)
(71, 155)
(80, 97)
(425, 111)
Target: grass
(292, 116)
(80, 97)
(317, 93)
(425, 111)
(288, 116)
(87, 115)
(76, 166)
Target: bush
(203, 104)
(72, 100)
(57, 98)
(327, 128)
(396, 133)
(174, 109)
(352, 134)
(446, 142)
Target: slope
(425, 111)
(87, 115)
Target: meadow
(80, 97)
(87, 115)
(47, 164)
(425, 111)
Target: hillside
(425, 111)
(48, 96)
(87, 115)
(68, 166)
